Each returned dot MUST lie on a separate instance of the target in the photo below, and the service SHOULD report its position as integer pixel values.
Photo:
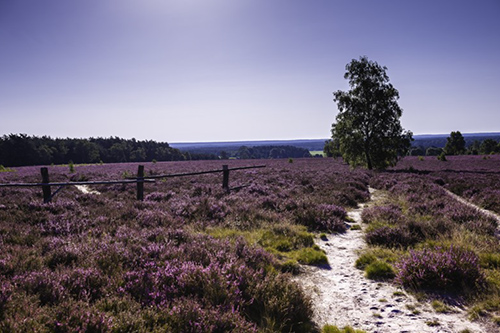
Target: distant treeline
(472, 141)
(245, 152)
(21, 149)
(476, 147)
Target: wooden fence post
(45, 188)
(225, 177)
(140, 183)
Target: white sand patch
(86, 189)
(343, 296)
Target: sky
(236, 70)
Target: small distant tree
(455, 144)
(367, 129)
(433, 151)
(331, 149)
(224, 155)
(473, 149)
(417, 151)
(488, 146)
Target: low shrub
(5, 294)
(386, 214)
(399, 236)
(279, 305)
(322, 217)
(451, 269)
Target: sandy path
(343, 296)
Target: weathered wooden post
(225, 178)
(46, 188)
(140, 183)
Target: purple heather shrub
(45, 284)
(258, 189)
(270, 202)
(6, 264)
(59, 206)
(159, 196)
(460, 213)
(488, 198)
(5, 295)
(190, 316)
(64, 225)
(209, 210)
(322, 217)
(79, 317)
(85, 284)
(67, 255)
(154, 218)
(399, 236)
(446, 269)
(389, 214)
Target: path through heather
(343, 296)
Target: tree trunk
(367, 156)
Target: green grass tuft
(335, 329)
(379, 270)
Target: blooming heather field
(434, 243)
(189, 258)
(192, 258)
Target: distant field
(317, 152)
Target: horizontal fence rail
(172, 175)
(104, 182)
(139, 180)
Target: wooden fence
(46, 185)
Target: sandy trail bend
(343, 296)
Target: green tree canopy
(489, 146)
(455, 144)
(367, 130)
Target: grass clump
(489, 260)
(379, 270)
(311, 256)
(291, 244)
(4, 169)
(365, 260)
(440, 307)
(433, 323)
(334, 329)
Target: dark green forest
(22, 149)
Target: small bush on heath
(450, 269)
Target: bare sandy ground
(86, 189)
(343, 296)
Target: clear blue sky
(227, 70)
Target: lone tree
(367, 130)
(455, 144)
